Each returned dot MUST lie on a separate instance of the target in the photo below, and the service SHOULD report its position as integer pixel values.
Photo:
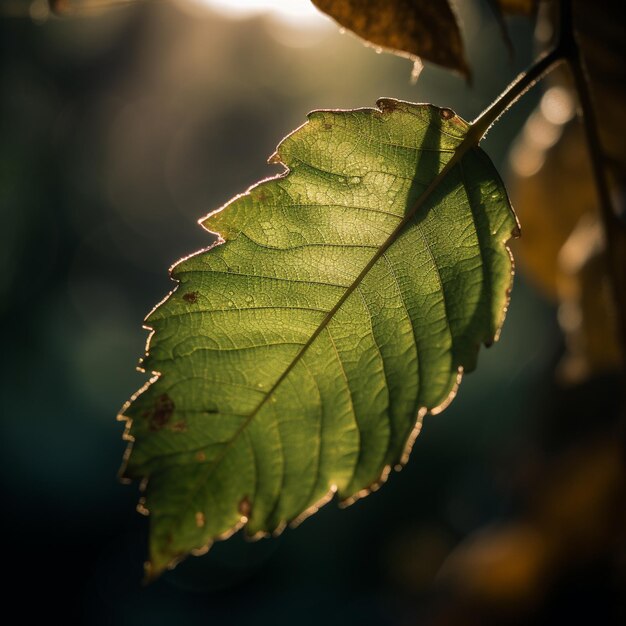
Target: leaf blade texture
(297, 358)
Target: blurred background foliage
(119, 129)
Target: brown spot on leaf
(201, 456)
(200, 519)
(327, 126)
(245, 507)
(180, 426)
(387, 106)
(191, 297)
(162, 412)
(446, 114)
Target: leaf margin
(468, 142)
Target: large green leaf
(297, 358)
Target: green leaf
(297, 358)
(413, 28)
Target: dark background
(118, 130)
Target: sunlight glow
(557, 105)
(526, 160)
(542, 130)
(301, 12)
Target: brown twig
(614, 230)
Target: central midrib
(466, 144)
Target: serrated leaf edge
(468, 142)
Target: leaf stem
(514, 91)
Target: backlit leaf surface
(297, 358)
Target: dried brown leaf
(562, 247)
(417, 29)
(550, 202)
(586, 310)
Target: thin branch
(615, 234)
(514, 91)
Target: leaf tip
(161, 559)
(152, 571)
